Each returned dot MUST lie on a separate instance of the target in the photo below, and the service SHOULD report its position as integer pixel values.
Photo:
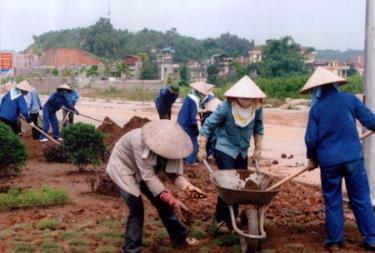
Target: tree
(352, 71)
(212, 72)
(107, 70)
(121, 68)
(55, 72)
(184, 75)
(281, 58)
(150, 71)
(92, 71)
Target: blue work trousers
(192, 158)
(358, 190)
(226, 162)
(134, 225)
(49, 117)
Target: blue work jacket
(56, 101)
(187, 117)
(331, 136)
(10, 109)
(72, 97)
(232, 139)
(165, 101)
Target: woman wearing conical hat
(53, 104)
(134, 165)
(187, 117)
(333, 143)
(168, 95)
(14, 103)
(235, 121)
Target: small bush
(84, 144)
(46, 196)
(12, 151)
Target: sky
(323, 24)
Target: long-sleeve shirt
(33, 101)
(165, 101)
(232, 139)
(331, 136)
(10, 109)
(58, 100)
(131, 162)
(72, 97)
(187, 117)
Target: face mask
(245, 102)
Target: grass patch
(78, 245)
(106, 249)
(146, 242)
(228, 240)
(24, 248)
(162, 235)
(110, 236)
(51, 247)
(5, 233)
(111, 223)
(43, 197)
(198, 234)
(204, 249)
(51, 224)
(69, 235)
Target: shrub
(84, 144)
(12, 151)
(51, 224)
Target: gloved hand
(32, 124)
(202, 152)
(258, 141)
(311, 165)
(177, 205)
(194, 192)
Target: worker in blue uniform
(168, 95)
(333, 144)
(14, 103)
(53, 104)
(187, 117)
(68, 116)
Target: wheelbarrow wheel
(250, 223)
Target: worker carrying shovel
(333, 143)
(14, 103)
(53, 104)
(136, 160)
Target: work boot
(43, 140)
(332, 247)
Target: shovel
(41, 131)
(362, 137)
(89, 117)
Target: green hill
(104, 41)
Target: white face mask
(245, 102)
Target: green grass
(198, 234)
(42, 197)
(51, 224)
(24, 248)
(134, 94)
(111, 223)
(69, 235)
(51, 247)
(228, 240)
(78, 245)
(106, 249)
(110, 236)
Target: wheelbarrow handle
(208, 167)
(287, 179)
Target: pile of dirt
(114, 132)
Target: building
(255, 55)
(134, 64)
(25, 61)
(337, 67)
(197, 70)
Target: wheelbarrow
(245, 187)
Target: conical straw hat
(24, 85)
(167, 139)
(64, 87)
(201, 87)
(321, 76)
(245, 88)
(210, 86)
(213, 104)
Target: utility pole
(369, 91)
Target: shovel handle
(89, 117)
(287, 179)
(41, 131)
(365, 135)
(208, 167)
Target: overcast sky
(323, 24)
